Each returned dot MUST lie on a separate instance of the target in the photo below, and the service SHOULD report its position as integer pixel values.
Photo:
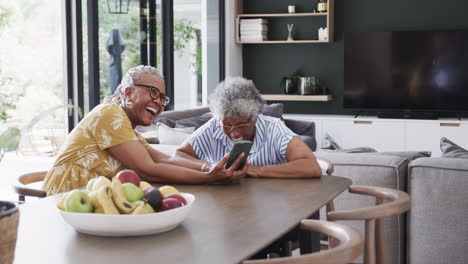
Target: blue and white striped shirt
(269, 146)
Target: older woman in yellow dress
(105, 142)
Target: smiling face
(143, 108)
(238, 128)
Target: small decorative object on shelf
(290, 28)
(322, 6)
(323, 34)
(291, 9)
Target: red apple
(169, 203)
(128, 176)
(178, 197)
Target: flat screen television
(406, 70)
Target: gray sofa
(435, 229)
(198, 116)
(375, 170)
(437, 221)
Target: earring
(127, 102)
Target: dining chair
(374, 242)
(21, 185)
(288, 246)
(350, 245)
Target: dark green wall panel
(266, 64)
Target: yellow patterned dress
(84, 154)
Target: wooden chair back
(350, 246)
(399, 202)
(23, 190)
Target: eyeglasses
(156, 94)
(240, 128)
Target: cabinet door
(427, 135)
(380, 135)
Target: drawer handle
(449, 124)
(363, 122)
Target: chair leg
(332, 242)
(21, 198)
(369, 247)
(287, 248)
(380, 252)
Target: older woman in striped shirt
(276, 152)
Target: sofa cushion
(438, 230)
(411, 155)
(452, 150)
(196, 121)
(375, 170)
(173, 135)
(274, 110)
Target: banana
(99, 182)
(143, 208)
(105, 200)
(119, 198)
(95, 201)
(98, 210)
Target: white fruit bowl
(129, 225)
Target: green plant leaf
(9, 139)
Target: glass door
(31, 74)
(139, 34)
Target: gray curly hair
(236, 97)
(132, 76)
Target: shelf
(286, 97)
(329, 15)
(283, 41)
(284, 15)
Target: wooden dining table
(227, 224)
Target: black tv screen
(406, 70)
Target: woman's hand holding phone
(219, 174)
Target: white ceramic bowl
(129, 225)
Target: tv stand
(409, 115)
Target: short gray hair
(236, 97)
(132, 76)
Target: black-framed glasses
(156, 94)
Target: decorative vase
(289, 85)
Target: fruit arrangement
(124, 194)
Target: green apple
(132, 192)
(89, 186)
(78, 201)
(101, 181)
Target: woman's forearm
(301, 168)
(193, 164)
(172, 174)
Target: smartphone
(241, 146)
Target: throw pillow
(151, 136)
(274, 110)
(196, 121)
(173, 136)
(452, 150)
(329, 145)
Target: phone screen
(241, 146)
